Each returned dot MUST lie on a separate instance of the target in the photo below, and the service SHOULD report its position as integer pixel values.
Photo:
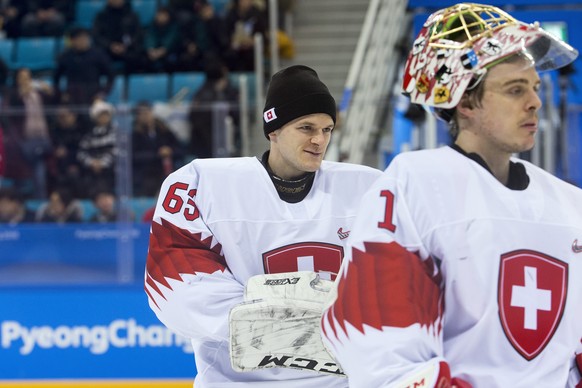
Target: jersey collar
(291, 191)
(518, 178)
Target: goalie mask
(457, 45)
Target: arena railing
(90, 252)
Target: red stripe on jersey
(579, 365)
(443, 380)
(460, 383)
(174, 251)
(386, 285)
(150, 297)
(153, 285)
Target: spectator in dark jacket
(47, 17)
(83, 66)
(104, 202)
(216, 88)
(12, 12)
(62, 207)
(243, 21)
(184, 10)
(97, 150)
(67, 131)
(156, 151)
(3, 77)
(161, 42)
(203, 35)
(13, 209)
(118, 31)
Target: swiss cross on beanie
(295, 92)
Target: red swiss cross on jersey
(532, 294)
(323, 258)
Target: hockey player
(243, 251)
(464, 264)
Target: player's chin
(524, 146)
(312, 165)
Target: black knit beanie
(295, 92)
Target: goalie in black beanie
(298, 119)
(294, 92)
(251, 246)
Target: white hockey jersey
(220, 221)
(446, 265)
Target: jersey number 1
(388, 211)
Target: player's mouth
(531, 125)
(314, 153)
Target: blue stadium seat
(62, 44)
(251, 83)
(6, 182)
(86, 11)
(35, 53)
(7, 51)
(187, 83)
(147, 87)
(139, 205)
(89, 209)
(220, 6)
(117, 93)
(145, 9)
(34, 204)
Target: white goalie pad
(303, 285)
(278, 325)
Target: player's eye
(516, 91)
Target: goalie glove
(278, 325)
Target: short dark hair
(143, 104)
(65, 194)
(475, 97)
(10, 194)
(99, 191)
(78, 31)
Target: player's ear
(273, 135)
(465, 106)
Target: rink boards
(84, 335)
(99, 384)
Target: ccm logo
(300, 363)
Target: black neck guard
(289, 191)
(518, 178)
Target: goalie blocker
(278, 324)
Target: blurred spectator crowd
(146, 35)
(59, 133)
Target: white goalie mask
(457, 45)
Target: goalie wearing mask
(464, 263)
(243, 251)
